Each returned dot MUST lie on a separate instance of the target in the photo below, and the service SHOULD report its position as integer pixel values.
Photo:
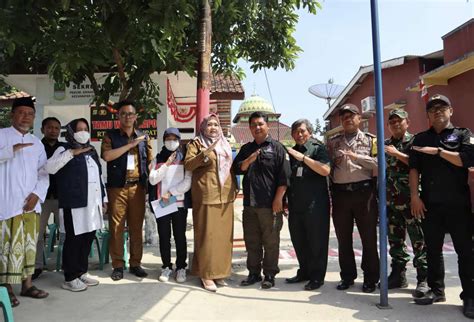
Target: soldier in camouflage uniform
(399, 216)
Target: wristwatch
(439, 151)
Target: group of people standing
(202, 175)
(427, 196)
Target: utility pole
(204, 68)
(380, 156)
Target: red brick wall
(395, 82)
(459, 43)
(224, 112)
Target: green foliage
(318, 128)
(131, 39)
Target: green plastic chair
(52, 228)
(59, 255)
(102, 248)
(6, 304)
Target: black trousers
(458, 221)
(177, 222)
(76, 249)
(309, 231)
(360, 206)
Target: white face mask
(172, 145)
(82, 137)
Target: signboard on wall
(79, 93)
(105, 118)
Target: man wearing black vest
(127, 153)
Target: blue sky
(337, 41)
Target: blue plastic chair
(6, 304)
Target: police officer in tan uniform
(353, 156)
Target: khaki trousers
(49, 206)
(262, 240)
(126, 204)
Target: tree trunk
(204, 67)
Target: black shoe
(117, 274)
(421, 289)
(431, 297)
(397, 278)
(368, 287)
(37, 273)
(138, 271)
(268, 282)
(468, 308)
(313, 285)
(251, 279)
(344, 284)
(296, 279)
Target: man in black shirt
(266, 169)
(50, 127)
(442, 156)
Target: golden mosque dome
(256, 104)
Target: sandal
(35, 293)
(13, 300)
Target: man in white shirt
(24, 186)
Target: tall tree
(131, 39)
(318, 128)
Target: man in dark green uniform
(399, 216)
(308, 201)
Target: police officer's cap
(438, 99)
(349, 108)
(401, 113)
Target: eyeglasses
(129, 114)
(435, 109)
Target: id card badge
(299, 172)
(130, 162)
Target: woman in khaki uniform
(209, 157)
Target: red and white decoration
(424, 91)
(183, 110)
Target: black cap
(349, 108)
(24, 101)
(438, 99)
(401, 113)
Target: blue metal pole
(380, 155)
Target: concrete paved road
(134, 299)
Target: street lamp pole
(380, 156)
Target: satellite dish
(328, 90)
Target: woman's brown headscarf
(223, 149)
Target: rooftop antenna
(327, 91)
